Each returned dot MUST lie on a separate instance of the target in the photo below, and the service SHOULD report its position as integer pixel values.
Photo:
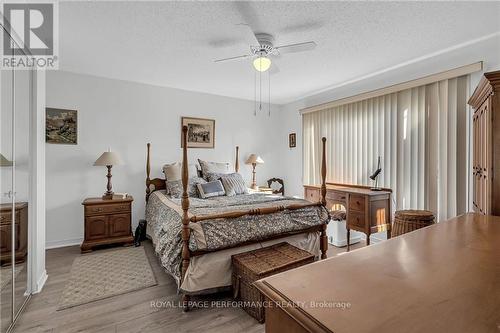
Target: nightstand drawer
(5, 238)
(107, 209)
(6, 218)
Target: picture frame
(292, 140)
(61, 126)
(201, 132)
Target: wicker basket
(251, 266)
(410, 220)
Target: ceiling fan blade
(274, 69)
(233, 58)
(299, 47)
(248, 34)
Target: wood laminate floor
(131, 312)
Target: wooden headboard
(157, 184)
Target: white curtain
(421, 135)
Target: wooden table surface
(354, 189)
(443, 278)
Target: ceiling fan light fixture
(262, 64)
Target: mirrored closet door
(15, 165)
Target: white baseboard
(41, 282)
(63, 243)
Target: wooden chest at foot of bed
(251, 266)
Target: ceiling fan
(262, 49)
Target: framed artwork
(292, 140)
(201, 132)
(61, 126)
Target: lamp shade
(108, 158)
(4, 162)
(253, 158)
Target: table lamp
(375, 175)
(254, 159)
(108, 159)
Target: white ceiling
(174, 44)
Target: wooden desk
(367, 211)
(442, 278)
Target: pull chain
(255, 93)
(260, 91)
(269, 93)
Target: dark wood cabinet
(107, 222)
(486, 145)
(21, 232)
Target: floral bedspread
(164, 214)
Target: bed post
(237, 162)
(148, 171)
(323, 238)
(185, 216)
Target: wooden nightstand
(261, 189)
(107, 222)
(21, 245)
(264, 189)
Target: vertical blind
(421, 135)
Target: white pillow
(173, 171)
(213, 167)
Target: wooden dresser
(21, 226)
(486, 144)
(367, 211)
(443, 278)
(107, 222)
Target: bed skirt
(211, 272)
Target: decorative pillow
(174, 187)
(174, 171)
(213, 167)
(211, 189)
(233, 184)
(213, 176)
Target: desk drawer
(357, 202)
(357, 219)
(312, 195)
(336, 196)
(107, 209)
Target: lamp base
(376, 189)
(107, 196)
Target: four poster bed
(194, 238)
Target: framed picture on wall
(292, 140)
(201, 132)
(61, 126)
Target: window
(421, 135)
